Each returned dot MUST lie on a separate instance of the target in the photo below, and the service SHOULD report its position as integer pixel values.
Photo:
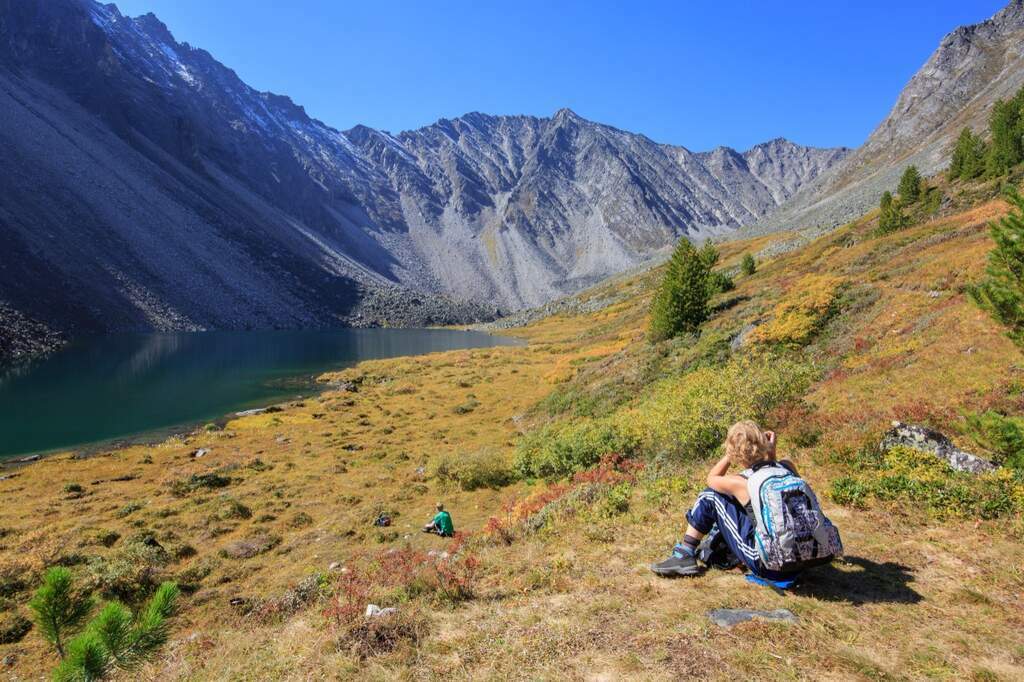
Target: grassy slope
(918, 597)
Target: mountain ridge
(281, 220)
(971, 68)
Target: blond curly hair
(746, 444)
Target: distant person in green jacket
(442, 523)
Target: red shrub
(612, 469)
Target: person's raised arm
(719, 469)
(719, 481)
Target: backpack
(791, 531)
(714, 553)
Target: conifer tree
(681, 303)
(748, 265)
(114, 639)
(890, 214)
(1001, 293)
(718, 282)
(968, 161)
(1006, 125)
(910, 185)
(58, 609)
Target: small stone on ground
(726, 618)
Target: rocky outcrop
(930, 440)
(22, 338)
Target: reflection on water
(117, 386)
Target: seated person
(726, 502)
(442, 523)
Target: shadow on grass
(729, 303)
(868, 583)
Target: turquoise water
(118, 387)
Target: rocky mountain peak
(156, 29)
(566, 114)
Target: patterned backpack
(792, 533)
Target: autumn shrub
(132, 572)
(485, 468)
(564, 448)
(904, 474)
(400, 579)
(686, 417)
(801, 312)
(208, 481)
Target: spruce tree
(910, 185)
(681, 303)
(1006, 125)
(718, 282)
(890, 214)
(59, 610)
(748, 265)
(114, 639)
(1001, 293)
(968, 160)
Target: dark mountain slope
(145, 186)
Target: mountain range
(145, 186)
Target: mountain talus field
(271, 531)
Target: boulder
(374, 611)
(929, 440)
(250, 413)
(249, 547)
(727, 618)
(741, 339)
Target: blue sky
(689, 72)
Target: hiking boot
(680, 563)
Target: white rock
(374, 611)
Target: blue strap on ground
(777, 584)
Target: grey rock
(201, 452)
(374, 611)
(743, 336)
(250, 413)
(930, 440)
(727, 618)
(247, 548)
